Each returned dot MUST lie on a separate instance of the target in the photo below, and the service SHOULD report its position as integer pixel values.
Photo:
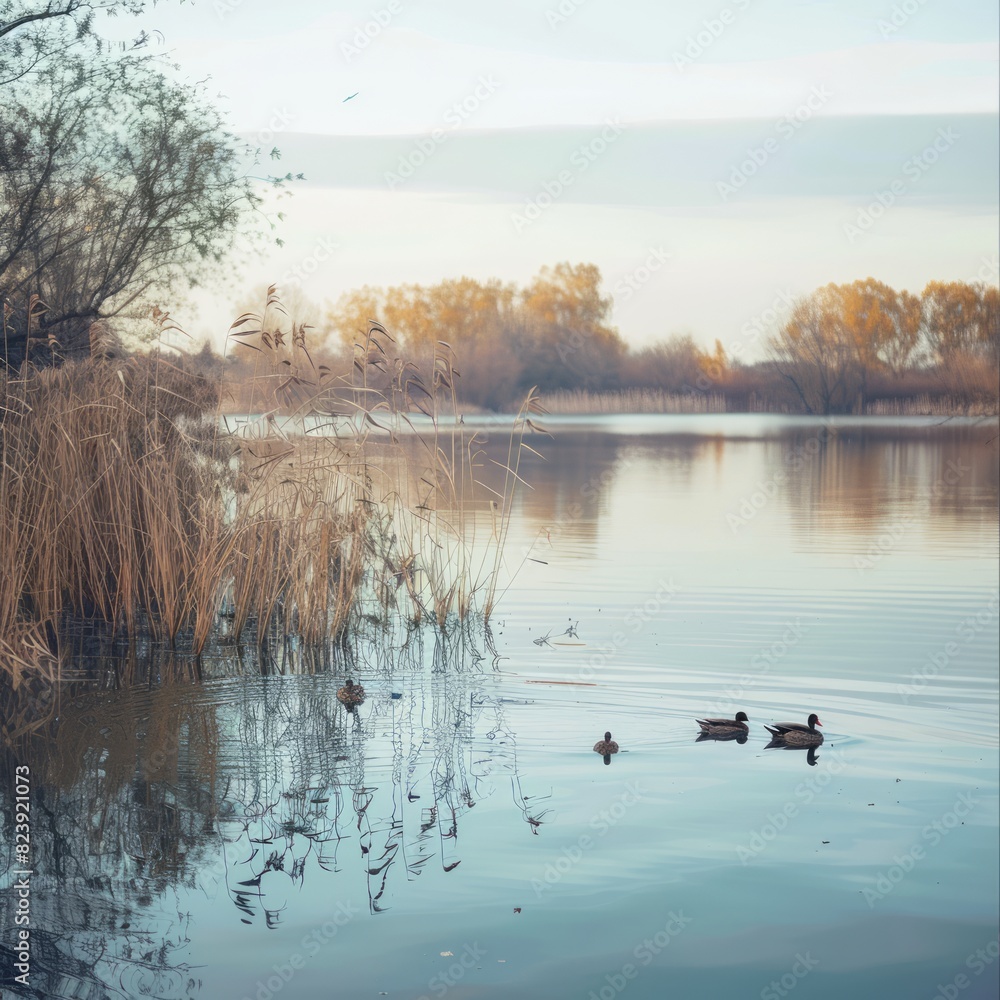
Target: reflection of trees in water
(122, 800)
(816, 473)
(819, 473)
(143, 795)
(570, 488)
(950, 474)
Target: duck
(351, 695)
(794, 734)
(723, 727)
(606, 746)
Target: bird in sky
(346, 99)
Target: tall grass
(127, 500)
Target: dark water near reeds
(248, 838)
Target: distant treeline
(859, 347)
(855, 348)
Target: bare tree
(813, 355)
(34, 31)
(115, 181)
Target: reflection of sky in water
(462, 792)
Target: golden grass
(127, 501)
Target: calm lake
(243, 836)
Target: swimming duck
(351, 695)
(721, 727)
(606, 746)
(794, 734)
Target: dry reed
(581, 401)
(127, 501)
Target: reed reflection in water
(254, 788)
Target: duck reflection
(717, 737)
(779, 744)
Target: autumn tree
(817, 358)
(960, 328)
(348, 318)
(840, 337)
(567, 342)
(672, 365)
(960, 318)
(552, 334)
(989, 322)
(483, 327)
(883, 324)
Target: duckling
(606, 746)
(794, 734)
(351, 695)
(723, 727)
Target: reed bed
(655, 401)
(930, 406)
(580, 401)
(128, 501)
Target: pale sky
(762, 197)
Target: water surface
(242, 836)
